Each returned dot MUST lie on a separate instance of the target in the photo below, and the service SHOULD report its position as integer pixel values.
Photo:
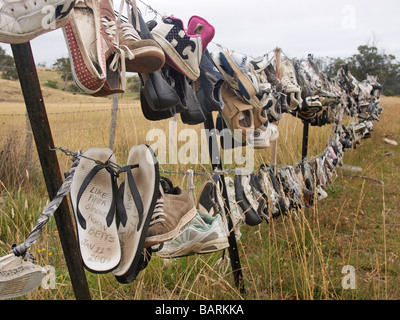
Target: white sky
(255, 27)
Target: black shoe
(184, 87)
(157, 97)
(251, 216)
(210, 82)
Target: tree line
(369, 60)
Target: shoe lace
(110, 28)
(159, 212)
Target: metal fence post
(36, 110)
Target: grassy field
(289, 258)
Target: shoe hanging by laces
(158, 213)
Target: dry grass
(287, 259)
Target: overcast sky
(256, 27)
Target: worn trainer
(174, 209)
(19, 276)
(22, 21)
(84, 42)
(183, 51)
(203, 234)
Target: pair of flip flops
(112, 221)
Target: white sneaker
(203, 234)
(22, 21)
(287, 75)
(236, 216)
(18, 276)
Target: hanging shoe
(237, 114)
(203, 234)
(288, 79)
(183, 51)
(22, 21)
(134, 212)
(245, 199)
(93, 193)
(236, 216)
(19, 276)
(115, 77)
(174, 209)
(209, 85)
(84, 42)
(142, 55)
(238, 67)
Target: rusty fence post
(36, 110)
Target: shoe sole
(146, 60)
(126, 272)
(99, 246)
(197, 248)
(246, 88)
(19, 280)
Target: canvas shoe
(237, 114)
(203, 234)
(85, 47)
(22, 21)
(142, 55)
(174, 209)
(209, 85)
(287, 75)
(19, 276)
(183, 51)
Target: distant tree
(63, 66)
(370, 61)
(7, 66)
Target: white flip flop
(140, 192)
(93, 192)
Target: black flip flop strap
(85, 184)
(135, 194)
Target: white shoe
(288, 79)
(22, 21)
(18, 276)
(203, 234)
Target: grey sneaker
(203, 234)
(19, 276)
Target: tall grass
(294, 257)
